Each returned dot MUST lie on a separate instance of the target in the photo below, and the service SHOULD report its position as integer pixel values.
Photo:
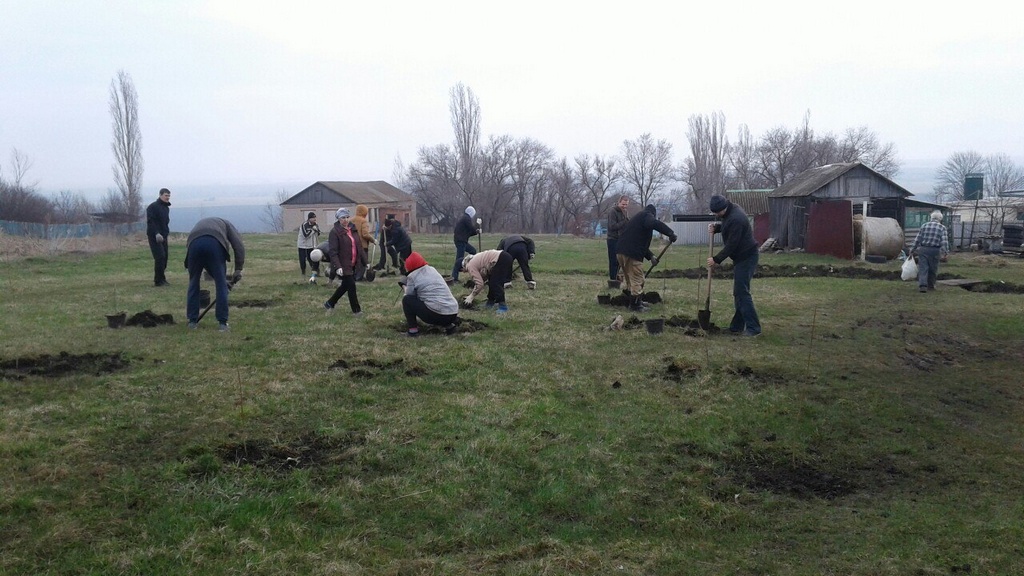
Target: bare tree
(861, 144)
(71, 208)
(21, 204)
(273, 215)
(949, 179)
(496, 195)
(705, 170)
(530, 161)
(433, 180)
(1002, 175)
(775, 156)
(569, 202)
(464, 108)
(127, 143)
(647, 165)
(742, 160)
(597, 176)
(20, 165)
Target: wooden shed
(814, 211)
(325, 197)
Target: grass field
(870, 430)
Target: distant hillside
(245, 218)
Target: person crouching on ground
(633, 247)
(346, 254)
(427, 297)
(930, 246)
(207, 249)
(522, 250)
(493, 268)
(739, 244)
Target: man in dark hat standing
(158, 219)
(739, 244)
(634, 246)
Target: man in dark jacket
(398, 239)
(617, 219)
(464, 230)
(634, 246)
(158, 219)
(740, 245)
(207, 249)
(522, 250)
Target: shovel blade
(704, 319)
(370, 274)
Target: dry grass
(16, 248)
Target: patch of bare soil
(252, 303)
(624, 300)
(371, 368)
(63, 364)
(311, 450)
(148, 319)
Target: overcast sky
(271, 92)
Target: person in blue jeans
(207, 249)
(739, 244)
(464, 230)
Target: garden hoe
(704, 316)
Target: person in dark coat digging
(207, 249)
(634, 246)
(739, 244)
(398, 239)
(522, 250)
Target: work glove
(672, 239)
(531, 256)
(468, 300)
(479, 222)
(159, 237)
(654, 261)
(236, 277)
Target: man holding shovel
(207, 249)
(739, 244)
(464, 230)
(634, 246)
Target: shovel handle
(711, 254)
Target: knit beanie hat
(471, 211)
(718, 203)
(341, 213)
(414, 262)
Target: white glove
(159, 237)
(479, 222)
(468, 300)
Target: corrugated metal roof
(753, 202)
(811, 180)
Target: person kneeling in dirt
(427, 297)
(493, 267)
(633, 247)
(207, 249)
(522, 250)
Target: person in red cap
(427, 297)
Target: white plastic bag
(909, 269)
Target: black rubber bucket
(655, 325)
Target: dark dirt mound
(623, 299)
(311, 450)
(63, 364)
(370, 368)
(148, 319)
(252, 303)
